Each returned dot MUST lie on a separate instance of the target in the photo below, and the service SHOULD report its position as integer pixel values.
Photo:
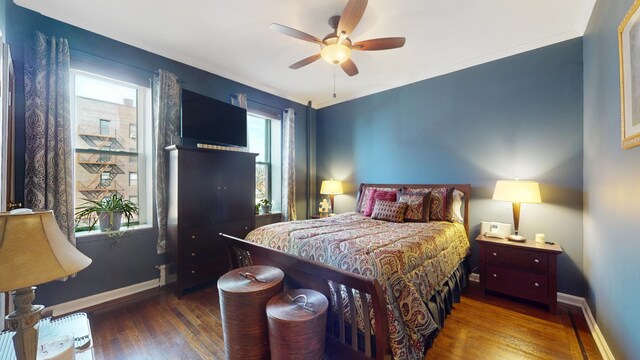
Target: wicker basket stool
(244, 293)
(297, 320)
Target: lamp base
(516, 238)
(24, 321)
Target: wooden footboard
(343, 338)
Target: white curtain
(288, 165)
(48, 152)
(166, 129)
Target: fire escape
(102, 167)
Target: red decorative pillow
(417, 206)
(389, 211)
(379, 195)
(366, 193)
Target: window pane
(101, 175)
(133, 179)
(104, 112)
(257, 130)
(104, 127)
(262, 182)
(105, 121)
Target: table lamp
(331, 188)
(516, 192)
(33, 251)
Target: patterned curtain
(166, 124)
(239, 100)
(48, 151)
(288, 165)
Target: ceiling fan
(336, 47)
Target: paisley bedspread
(410, 260)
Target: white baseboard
(580, 302)
(97, 299)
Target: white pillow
(458, 196)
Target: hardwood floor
(480, 327)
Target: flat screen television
(207, 120)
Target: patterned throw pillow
(389, 211)
(366, 194)
(442, 204)
(441, 208)
(417, 206)
(379, 195)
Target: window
(105, 179)
(104, 127)
(109, 151)
(265, 139)
(133, 179)
(133, 199)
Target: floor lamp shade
(331, 188)
(33, 251)
(517, 192)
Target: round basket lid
(297, 305)
(250, 279)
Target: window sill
(269, 214)
(97, 234)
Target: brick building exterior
(106, 143)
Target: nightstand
(319, 216)
(525, 270)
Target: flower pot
(110, 221)
(265, 209)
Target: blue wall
(516, 117)
(612, 190)
(132, 258)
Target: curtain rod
(146, 71)
(267, 105)
(110, 59)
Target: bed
(405, 276)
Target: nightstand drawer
(517, 283)
(520, 258)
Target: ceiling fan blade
(349, 67)
(379, 44)
(305, 61)
(351, 16)
(294, 33)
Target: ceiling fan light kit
(336, 47)
(335, 53)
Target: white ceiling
(231, 38)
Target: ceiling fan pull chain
(334, 81)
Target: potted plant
(107, 212)
(265, 205)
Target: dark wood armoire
(210, 192)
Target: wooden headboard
(465, 188)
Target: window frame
(144, 154)
(267, 162)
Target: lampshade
(331, 187)
(34, 251)
(517, 191)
